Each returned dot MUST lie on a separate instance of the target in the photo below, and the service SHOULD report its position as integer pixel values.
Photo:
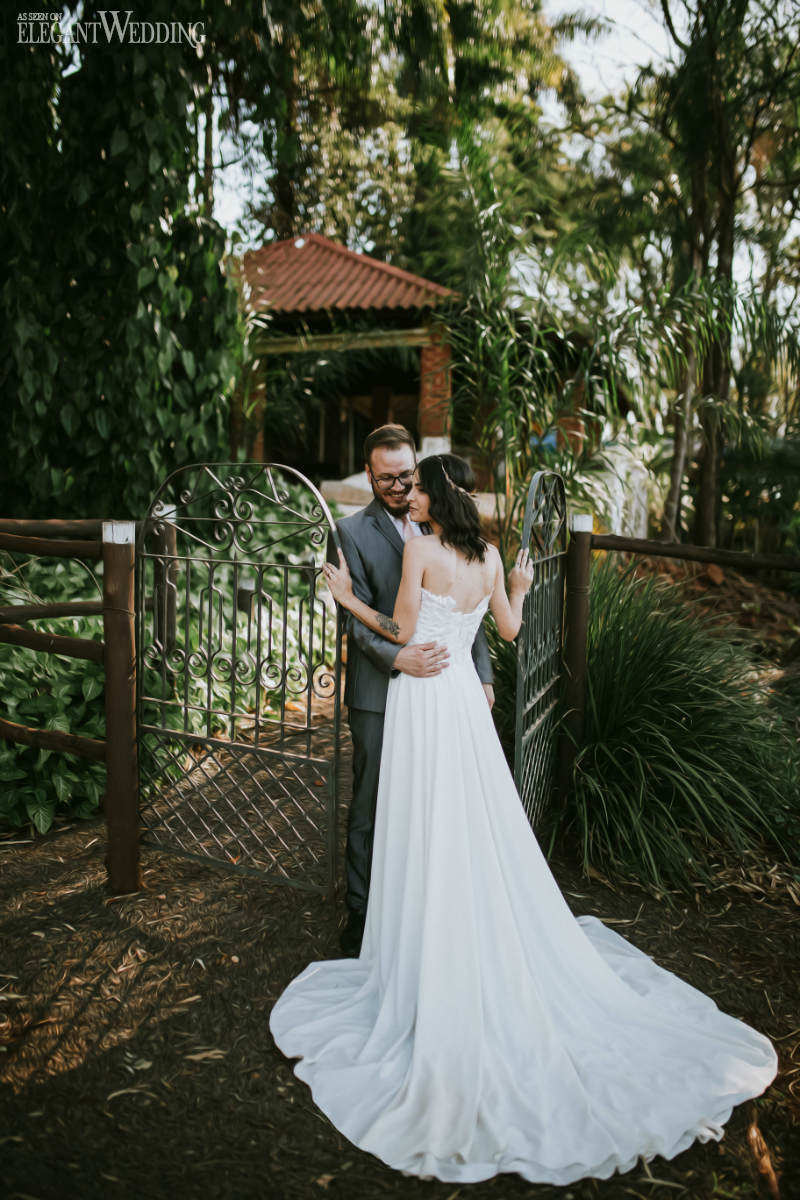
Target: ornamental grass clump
(685, 761)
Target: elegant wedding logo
(110, 25)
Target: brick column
(433, 416)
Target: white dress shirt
(398, 524)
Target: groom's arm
(380, 652)
(481, 656)
(483, 663)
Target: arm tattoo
(388, 624)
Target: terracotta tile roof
(311, 273)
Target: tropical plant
(577, 387)
(762, 497)
(685, 758)
(49, 692)
(290, 89)
(468, 80)
(539, 388)
(118, 327)
(698, 176)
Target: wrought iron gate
(239, 666)
(544, 531)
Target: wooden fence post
(122, 784)
(576, 626)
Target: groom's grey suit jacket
(374, 552)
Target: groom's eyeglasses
(387, 482)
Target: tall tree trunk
(670, 526)
(717, 378)
(690, 267)
(284, 208)
(706, 505)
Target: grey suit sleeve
(380, 652)
(481, 656)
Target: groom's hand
(489, 692)
(421, 660)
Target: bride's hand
(520, 577)
(338, 580)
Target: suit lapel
(385, 525)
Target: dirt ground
(136, 1062)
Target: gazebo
(309, 294)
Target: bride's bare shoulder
(421, 546)
(419, 553)
(493, 565)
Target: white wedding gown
(483, 1028)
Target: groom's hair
(391, 436)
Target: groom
(373, 541)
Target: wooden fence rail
(71, 608)
(113, 541)
(91, 527)
(737, 559)
(50, 547)
(52, 643)
(53, 739)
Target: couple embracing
(373, 541)
(479, 1027)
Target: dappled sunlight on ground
(136, 1057)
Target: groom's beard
(399, 504)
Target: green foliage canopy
(118, 328)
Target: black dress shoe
(351, 935)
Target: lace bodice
(439, 622)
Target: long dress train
(483, 1028)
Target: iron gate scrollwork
(544, 532)
(239, 668)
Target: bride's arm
(399, 627)
(507, 609)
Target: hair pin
(455, 486)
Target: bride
(484, 1029)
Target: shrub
(49, 692)
(685, 757)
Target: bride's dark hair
(447, 481)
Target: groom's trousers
(366, 729)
